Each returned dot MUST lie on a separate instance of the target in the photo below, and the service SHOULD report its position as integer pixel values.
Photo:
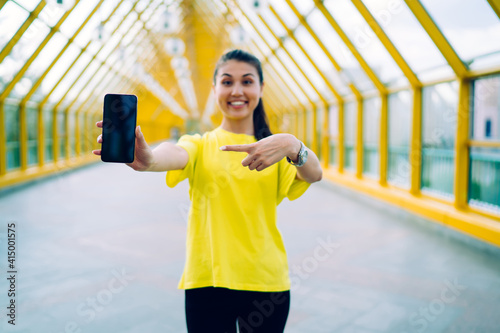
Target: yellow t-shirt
(232, 237)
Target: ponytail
(260, 124)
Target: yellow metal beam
(364, 65)
(306, 53)
(2, 3)
(384, 39)
(34, 88)
(495, 5)
(273, 52)
(461, 146)
(55, 130)
(359, 139)
(341, 137)
(22, 29)
(23, 134)
(438, 38)
(265, 60)
(35, 54)
(38, 82)
(416, 143)
(383, 141)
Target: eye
(226, 83)
(247, 82)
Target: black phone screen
(118, 128)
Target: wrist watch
(302, 156)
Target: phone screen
(118, 128)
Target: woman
(236, 267)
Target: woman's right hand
(143, 159)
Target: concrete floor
(101, 249)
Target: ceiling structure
(315, 53)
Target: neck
(240, 126)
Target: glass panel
(350, 129)
(261, 28)
(484, 188)
(48, 125)
(284, 11)
(485, 120)
(365, 40)
(333, 123)
(71, 133)
(439, 120)
(304, 6)
(61, 134)
(371, 137)
(274, 24)
(321, 60)
(319, 131)
(309, 126)
(296, 74)
(56, 72)
(51, 14)
(408, 35)
(32, 122)
(72, 75)
(11, 118)
(11, 18)
(287, 78)
(84, 79)
(307, 67)
(77, 16)
(38, 67)
(470, 29)
(22, 51)
(29, 5)
(351, 69)
(399, 132)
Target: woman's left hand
(266, 152)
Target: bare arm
(167, 156)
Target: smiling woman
(236, 266)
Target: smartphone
(118, 128)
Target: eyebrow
(248, 74)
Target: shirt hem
(235, 286)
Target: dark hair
(260, 125)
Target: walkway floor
(101, 249)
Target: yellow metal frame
(37, 84)
(20, 32)
(8, 89)
(438, 38)
(416, 143)
(461, 180)
(495, 5)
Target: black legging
(216, 310)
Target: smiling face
(237, 89)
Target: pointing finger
(240, 148)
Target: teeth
(237, 103)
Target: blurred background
(400, 99)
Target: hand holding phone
(118, 128)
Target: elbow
(318, 177)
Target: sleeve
(191, 144)
(288, 185)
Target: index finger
(241, 148)
(99, 124)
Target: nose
(237, 89)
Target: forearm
(311, 171)
(168, 156)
